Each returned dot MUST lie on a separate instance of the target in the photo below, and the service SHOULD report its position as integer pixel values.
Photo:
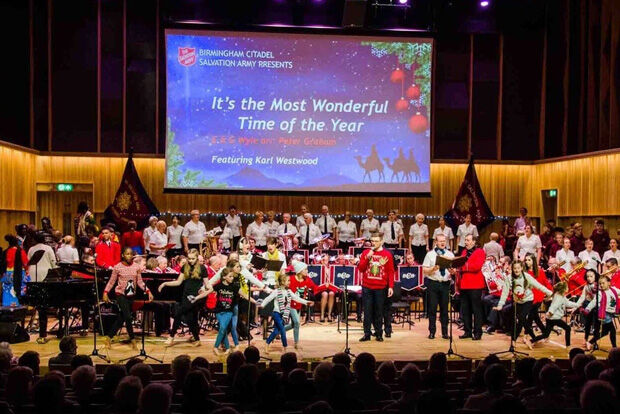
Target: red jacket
(300, 288)
(132, 239)
(108, 256)
(378, 270)
(543, 280)
(471, 272)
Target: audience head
(551, 379)
(598, 397)
(233, 362)
(578, 364)
(181, 364)
(322, 376)
(523, 370)
(386, 373)
(288, 362)
(495, 378)
(127, 394)
(364, 366)
(199, 362)
(244, 383)
(593, 369)
(195, 391)
(49, 394)
(82, 380)
(251, 354)
(342, 358)
(133, 361)
(142, 371)
(6, 356)
(31, 360)
(155, 399)
(67, 345)
(538, 366)
(18, 385)
(111, 378)
(319, 407)
(410, 379)
(438, 362)
(574, 352)
(613, 358)
(79, 360)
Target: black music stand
(347, 349)
(450, 323)
(95, 351)
(142, 352)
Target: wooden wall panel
(17, 179)
(8, 220)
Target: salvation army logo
(343, 275)
(187, 56)
(408, 276)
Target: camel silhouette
(397, 167)
(413, 166)
(371, 164)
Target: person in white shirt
(446, 231)
(463, 230)
(159, 240)
(225, 235)
(300, 222)
(392, 231)
(175, 234)
(370, 225)
(287, 227)
(258, 231)
(437, 283)
(194, 232)
(325, 222)
(590, 257)
(613, 251)
(521, 221)
(346, 231)
(67, 253)
(566, 255)
(493, 248)
(38, 272)
(272, 224)
(272, 253)
(146, 234)
(309, 233)
(233, 222)
(418, 238)
(528, 243)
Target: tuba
(210, 246)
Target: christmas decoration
(413, 92)
(418, 123)
(402, 104)
(397, 75)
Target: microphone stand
(95, 352)
(511, 350)
(450, 322)
(598, 330)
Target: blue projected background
(292, 112)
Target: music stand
(142, 352)
(346, 350)
(95, 351)
(450, 323)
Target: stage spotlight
(402, 1)
(484, 3)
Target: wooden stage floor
(320, 340)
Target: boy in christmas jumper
(608, 306)
(300, 284)
(281, 308)
(376, 268)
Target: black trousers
(357, 298)
(419, 252)
(607, 328)
(235, 242)
(387, 315)
(345, 246)
(523, 310)
(471, 305)
(124, 316)
(549, 327)
(188, 311)
(589, 320)
(174, 252)
(373, 300)
(438, 294)
(534, 317)
(191, 246)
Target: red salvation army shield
(187, 56)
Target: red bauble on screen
(397, 75)
(402, 104)
(413, 92)
(418, 123)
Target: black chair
(401, 309)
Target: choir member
(600, 237)
(577, 241)
(108, 251)
(158, 241)
(152, 228)
(301, 221)
(392, 231)
(259, 231)
(493, 248)
(309, 233)
(589, 256)
(528, 243)
(376, 269)
(346, 231)
(521, 221)
(272, 223)
(194, 232)
(446, 231)
(613, 251)
(287, 227)
(234, 224)
(463, 230)
(224, 232)
(418, 238)
(369, 225)
(325, 221)
(175, 234)
(472, 285)
(566, 256)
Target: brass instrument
(585, 283)
(568, 275)
(209, 247)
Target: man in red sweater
(108, 252)
(472, 286)
(376, 268)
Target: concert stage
(320, 340)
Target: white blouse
(258, 232)
(346, 231)
(418, 234)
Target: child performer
(282, 308)
(608, 306)
(326, 290)
(193, 277)
(522, 297)
(300, 284)
(587, 295)
(126, 275)
(228, 293)
(556, 312)
(537, 273)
